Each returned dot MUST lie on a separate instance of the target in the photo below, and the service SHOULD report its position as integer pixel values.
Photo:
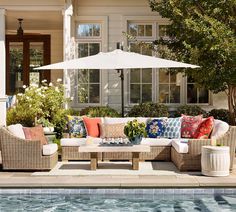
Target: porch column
(67, 13)
(3, 97)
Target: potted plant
(135, 130)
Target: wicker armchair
(191, 161)
(23, 154)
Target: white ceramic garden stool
(215, 161)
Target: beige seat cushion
(156, 141)
(180, 145)
(49, 149)
(79, 141)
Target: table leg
(135, 160)
(94, 160)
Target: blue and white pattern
(76, 127)
(173, 128)
(155, 128)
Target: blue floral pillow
(155, 128)
(76, 127)
(173, 128)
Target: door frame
(26, 39)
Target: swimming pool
(177, 200)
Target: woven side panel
(195, 145)
(186, 162)
(72, 153)
(161, 153)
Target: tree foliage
(204, 33)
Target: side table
(215, 160)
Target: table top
(102, 148)
(216, 148)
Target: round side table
(215, 160)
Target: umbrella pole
(121, 71)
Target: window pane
(146, 93)
(147, 75)
(133, 28)
(83, 93)
(84, 30)
(148, 30)
(163, 76)
(135, 93)
(174, 94)
(83, 75)
(172, 77)
(94, 93)
(140, 30)
(96, 30)
(94, 48)
(83, 50)
(135, 75)
(191, 93)
(164, 93)
(94, 76)
(203, 95)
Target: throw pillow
(76, 127)
(189, 125)
(35, 133)
(204, 129)
(112, 130)
(219, 129)
(17, 130)
(173, 128)
(92, 126)
(155, 128)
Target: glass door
(23, 54)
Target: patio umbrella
(119, 60)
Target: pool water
(116, 202)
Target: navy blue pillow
(155, 128)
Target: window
(140, 30)
(140, 79)
(89, 30)
(196, 95)
(169, 87)
(89, 43)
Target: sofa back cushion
(219, 129)
(76, 127)
(155, 128)
(173, 128)
(112, 130)
(204, 129)
(35, 133)
(189, 125)
(17, 130)
(92, 126)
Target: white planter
(215, 160)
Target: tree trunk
(232, 103)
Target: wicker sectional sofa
(184, 153)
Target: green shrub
(148, 110)
(221, 114)
(99, 112)
(42, 104)
(191, 110)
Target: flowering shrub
(41, 104)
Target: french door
(23, 54)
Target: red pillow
(92, 126)
(189, 125)
(204, 129)
(35, 133)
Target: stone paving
(180, 180)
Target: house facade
(35, 33)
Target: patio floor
(164, 175)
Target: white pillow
(219, 129)
(17, 130)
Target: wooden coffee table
(94, 149)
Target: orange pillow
(92, 126)
(35, 133)
(204, 129)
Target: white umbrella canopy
(117, 59)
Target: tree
(203, 32)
